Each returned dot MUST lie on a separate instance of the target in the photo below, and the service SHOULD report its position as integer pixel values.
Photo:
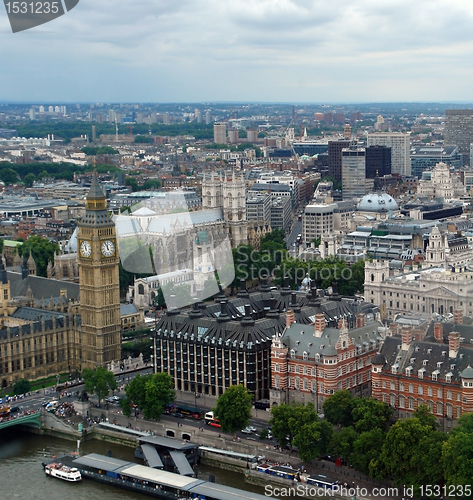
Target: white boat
(63, 472)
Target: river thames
(22, 475)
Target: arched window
(372, 277)
(141, 289)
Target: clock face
(108, 248)
(85, 249)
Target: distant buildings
(425, 157)
(378, 161)
(400, 149)
(353, 172)
(459, 131)
(220, 133)
(335, 158)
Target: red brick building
(311, 362)
(435, 370)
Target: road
(36, 400)
(291, 239)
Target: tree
(42, 251)
(280, 417)
(99, 381)
(411, 454)
(8, 176)
(367, 447)
(457, 458)
(369, 414)
(338, 408)
(152, 394)
(342, 442)
(28, 180)
(233, 409)
(424, 414)
(22, 386)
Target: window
(439, 408)
(411, 388)
(449, 394)
(411, 403)
(402, 402)
(276, 367)
(429, 391)
(392, 400)
(401, 386)
(392, 386)
(420, 390)
(439, 393)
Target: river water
(22, 475)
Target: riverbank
(69, 429)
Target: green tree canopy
(152, 394)
(22, 386)
(233, 409)
(411, 454)
(42, 251)
(369, 414)
(338, 408)
(8, 176)
(99, 381)
(29, 179)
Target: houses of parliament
(49, 327)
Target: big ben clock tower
(99, 283)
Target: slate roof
(41, 287)
(430, 357)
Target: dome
(377, 202)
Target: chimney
(453, 344)
(319, 324)
(458, 317)
(406, 337)
(360, 320)
(289, 317)
(438, 332)
(286, 290)
(223, 312)
(243, 293)
(248, 319)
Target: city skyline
(266, 52)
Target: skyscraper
(378, 161)
(459, 131)
(400, 149)
(335, 158)
(220, 133)
(353, 172)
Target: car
(14, 409)
(252, 429)
(178, 415)
(246, 430)
(112, 399)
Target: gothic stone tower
(227, 190)
(99, 283)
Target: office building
(318, 220)
(353, 172)
(459, 131)
(378, 161)
(400, 149)
(335, 158)
(425, 157)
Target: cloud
(282, 50)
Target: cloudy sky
(243, 50)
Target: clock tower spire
(98, 259)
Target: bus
(4, 411)
(210, 420)
(190, 412)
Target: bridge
(34, 420)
